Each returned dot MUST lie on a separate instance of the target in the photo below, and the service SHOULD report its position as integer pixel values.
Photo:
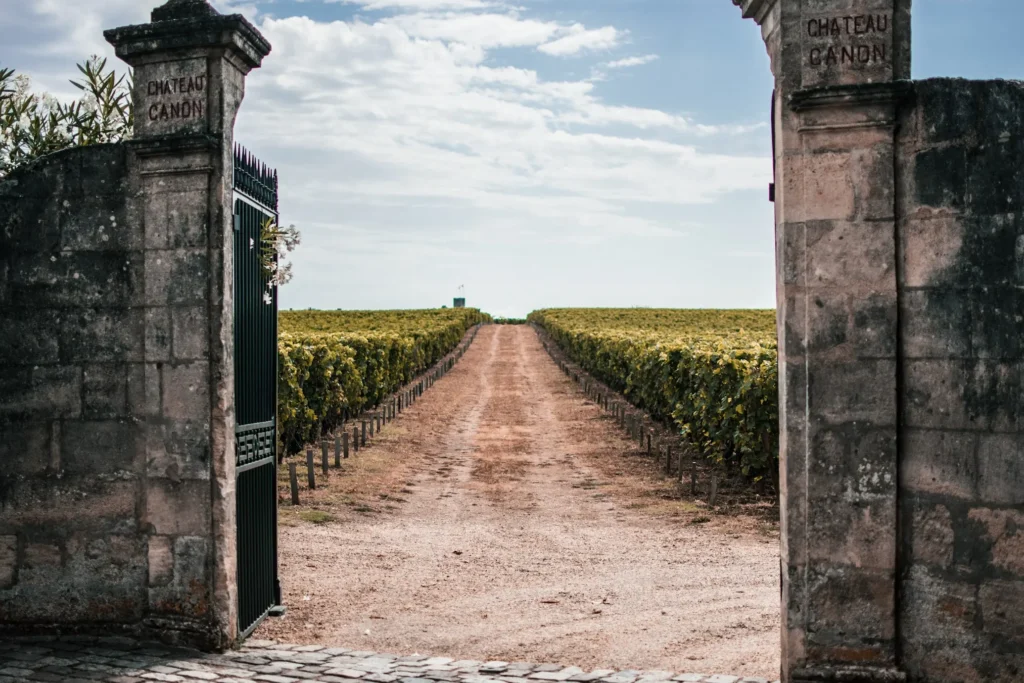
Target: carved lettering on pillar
(172, 97)
(176, 98)
(848, 48)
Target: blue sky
(539, 152)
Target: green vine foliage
(35, 124)
(338, 363)
(713, 374)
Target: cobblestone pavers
(118, 660)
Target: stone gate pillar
(837, 66)
(190, 66)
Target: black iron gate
(255, 203)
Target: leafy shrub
(339, 363)
(713, 373)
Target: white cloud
(631, 61)
(422, 5)
(580, 39)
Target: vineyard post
(363, 440)
(693, 474)
(310, 469)
(337, 450)
(668, 460)
(324, 446)
(648, 443)
(344, 444)
(355, 439)
(293, 479)
(713, 495)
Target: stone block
(931, 535)
(107, 335)
(177, 277)
(31, 219)
(29, 336)
(828, 320)
(178, 508)
(794, 322)
(936, 323)
(104, 391)
(189, 592)
(41, 393)
(851, 605)
(98, 222)
(41, 556)
(997, 318)
(940, 178)
(25, 448)
(852, 462)
(843, 254)
(158, 334)
(104, 505)
(1002, 610)
(186, 392)
(961, 394)
(938, 617)
(160, 560)
(178, 450)
(939, 462)
(99, 447)
(191, 333)
(1001, 469)
(825, 187)
(1002, 539)
(8, 561)
(931, 247)
(875, 322)
(874, 191)
(861, 534)
(854, 391)
(791, 254)
(105, 170)
(74, 278)
(994, 179)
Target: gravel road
(510, 541)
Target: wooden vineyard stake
(324, 463)
(648, 444)
(713, 496)
(344, 445)
(293, 479)
(693, 476)
(310, 469)
(363, 440)
(337, 450)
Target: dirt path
(511, 541)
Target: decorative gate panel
(255, 203)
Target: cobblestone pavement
(79, 660)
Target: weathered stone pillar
(836, 66)
(189, 65)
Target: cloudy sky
(539, 152)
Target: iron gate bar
(255, 342)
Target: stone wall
(961, 230)
(105, 493)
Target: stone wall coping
(851, 95)
(175, 144)
(755, 9)
(232, 31)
